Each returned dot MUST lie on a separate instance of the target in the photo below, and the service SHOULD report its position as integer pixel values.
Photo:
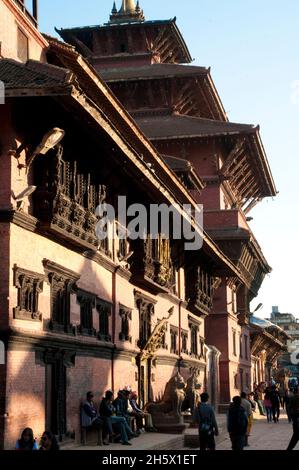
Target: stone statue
(167, 414)
(192, 392)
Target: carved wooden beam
(233, 155)
(244, 183)
(240, 171)
(206, 100)
(158, 40)
(182, 94)
(251, 205)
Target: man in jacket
(237, 424)
(107, 410)
(90, 417)
(245, 403)
(204, 416)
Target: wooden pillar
(35, 9)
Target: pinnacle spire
(129, 12)
(128, 7)
(114, 9)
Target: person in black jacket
(237, 424)
(275, 400)
(294, 414)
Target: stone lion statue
(173, 398)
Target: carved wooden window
(199, 290)
(29, 285)
(194, 339)
(63, 284)
(87, 303)
(67, 197)
(104, 311)
(126, 317)
(146, 310)
(158, 260)
(174, 333)
(184, 336)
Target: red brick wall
(89, 374)
(25, 396)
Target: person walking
(204, 416)
(275, 400)
(245, 403)
(286, 403)
(268, 405)
(237, 424)
(258, 397)
(294, 414)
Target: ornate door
(56, 395)
(144, 382)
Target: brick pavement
(264, 436)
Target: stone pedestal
(169, 424)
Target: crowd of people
(114, 419)
(115, 416)
(266, 398)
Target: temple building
(115, 111)
(290, 324)
(177, 106)
(268, 344)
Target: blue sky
(252, 48)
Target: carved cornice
(52, 267)
(19, 218)
(194, 321)
(84, 347)
(143, 297)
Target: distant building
(290, 324)
(268, 342)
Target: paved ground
(264, 436)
